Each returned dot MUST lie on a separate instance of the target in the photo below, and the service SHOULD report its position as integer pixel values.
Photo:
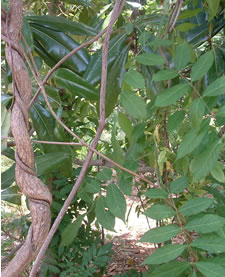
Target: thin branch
(85, 44)
(177, 13)
(41, 85)
(49, 142)
(115, 14)
(90, 147)
(103, 162)
(141, 169)
(74, 51)
(82, 142)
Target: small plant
(77, 260)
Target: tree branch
(85, 44)
(115, 14)
(141, 169)
(41, 85)
(47, 142)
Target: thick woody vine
(36, 191)
(25, 159)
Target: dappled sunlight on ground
(128, 252)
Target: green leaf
(114, 80)
(12, 195)
(161, 42)
(171, 95)
(185, 27)
(5, 125)
(116, 202)
(197, 111)
(137, 146)
(117, 155)
(53, 94)
(104, 217)
(116, 49)
(104, 175)
(189, 13)
(161, 234)
(210, 269)
(220, 116)
(191, 140)
(144, 38)
(206, 223)
(195, 206)
(217, 173)
(43, 54)
(165, 254)
(8, 177)
(93, 187)
(180, 59)
(174, 120)
(159, 212)
(50, 162)
(166, 74)
(179, 185)
(6, 99)
(173, 269)
(44, 124)
(63, 24)
(202, 66)
(216, 88)
(134, 79)
(200, 33)
(220, 260)
(45, 163)
(125, 125)
(56, 46)
(211, 243)
(125, 184)
(71, 230)
(27, 34)
(53, 269)
(85, 196)
(134, 105)
(9, 153)
(213, 8)
(131, 165)
(75, 84)
(150, 59)
(156, 193)
(206, 160)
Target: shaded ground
(129, 253)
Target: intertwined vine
(36, 191)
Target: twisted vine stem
(36, 191)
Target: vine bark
(36, 191)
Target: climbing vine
(133, 96)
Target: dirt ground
(128, 252)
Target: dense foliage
(165, 109)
